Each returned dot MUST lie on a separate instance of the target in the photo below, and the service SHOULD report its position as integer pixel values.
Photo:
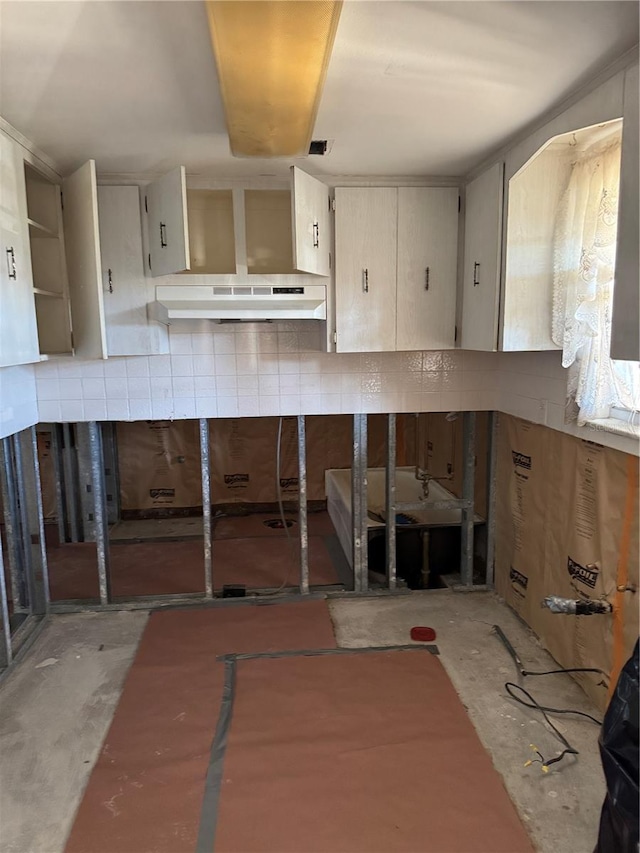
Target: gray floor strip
(213, 783)
(432, 649)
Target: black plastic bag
(619, 751)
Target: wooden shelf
(40, 292)
(38, 230)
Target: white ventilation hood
(240, 303)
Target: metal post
(71, 483)
(100, 511)
(364, 513)
(6, 652)
(492, 482)
(390, 501)
(302, 506)
(11, 514)
(23, 512)
(34, 535)
(468, 487)
(205, 469)
(356, 499)
(58, 468)
(111, 471)
(84, 492)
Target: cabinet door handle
(476, 274)
(426, 278)
(365, 280)
(110, 280)
(163, 235)
(316, 235)
(11, 263)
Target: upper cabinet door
(482, 248)
(82, 248)
(427, 265)
(127, 291)
(18, 331)
(310, 223)
(625, 338)
(166, 204)
(366, 253)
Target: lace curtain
(584, 264)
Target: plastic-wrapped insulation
(556, 604)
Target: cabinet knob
(365, 280)
(110, 280)
(11, 264)
(163, 235)
(316, 235)
(476, 274)
(426, 279)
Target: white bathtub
(408, 490)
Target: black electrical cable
(510, 687)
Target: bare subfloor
(57, 704)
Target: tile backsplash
(249, 370)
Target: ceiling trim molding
(43, 160)
(624, 61)
(198, 180)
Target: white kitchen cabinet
(166, 206)
(365, 268)
(625, 337)
(126, 290)
(427, 266)
(18, 330)
(84, 265)
(482, 260)
(311, 229)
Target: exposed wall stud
(205, 470)
(302, 506)
(390, 501)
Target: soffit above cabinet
(417, 88)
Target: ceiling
(413, 88)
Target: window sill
(614, 425)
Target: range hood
(239, 303)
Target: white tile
(310, 404)
(93, 389)
(183, 408)
(287, 342)
(311, 384)
(310, 363)
(49, 411)
(268, 365)
(183, 386)
(268, 385)
(224, 344)
(227, 384)
(202, 344)
(72, 410)
(179, 344)
(246, 363)
(46, 370)
(248, 385)
(139, 389)
(248, 407)
(225, 365)
(350, 383)
(204, 365)
(371, 403)
(450, 401)
(161, 387)
(289, 404)
(181, 365)
(140, 410)
(115, 368)
(350, 403)
(162, 410)
(47, 389)
(137, 367)
(371, 383)
(288, 363)
(269, 405)
(451, 360)
(331, 404)
(227, 407)
(309, 341)
(118, 410)
(204, 386)
(206, 407)
(432, 402)
(70, 368)
(268, 342)
(289, 383)
(70, 389)
(93, 369)
(159, 365)
(95, 410)
(246, 342)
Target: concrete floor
(57, 704)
